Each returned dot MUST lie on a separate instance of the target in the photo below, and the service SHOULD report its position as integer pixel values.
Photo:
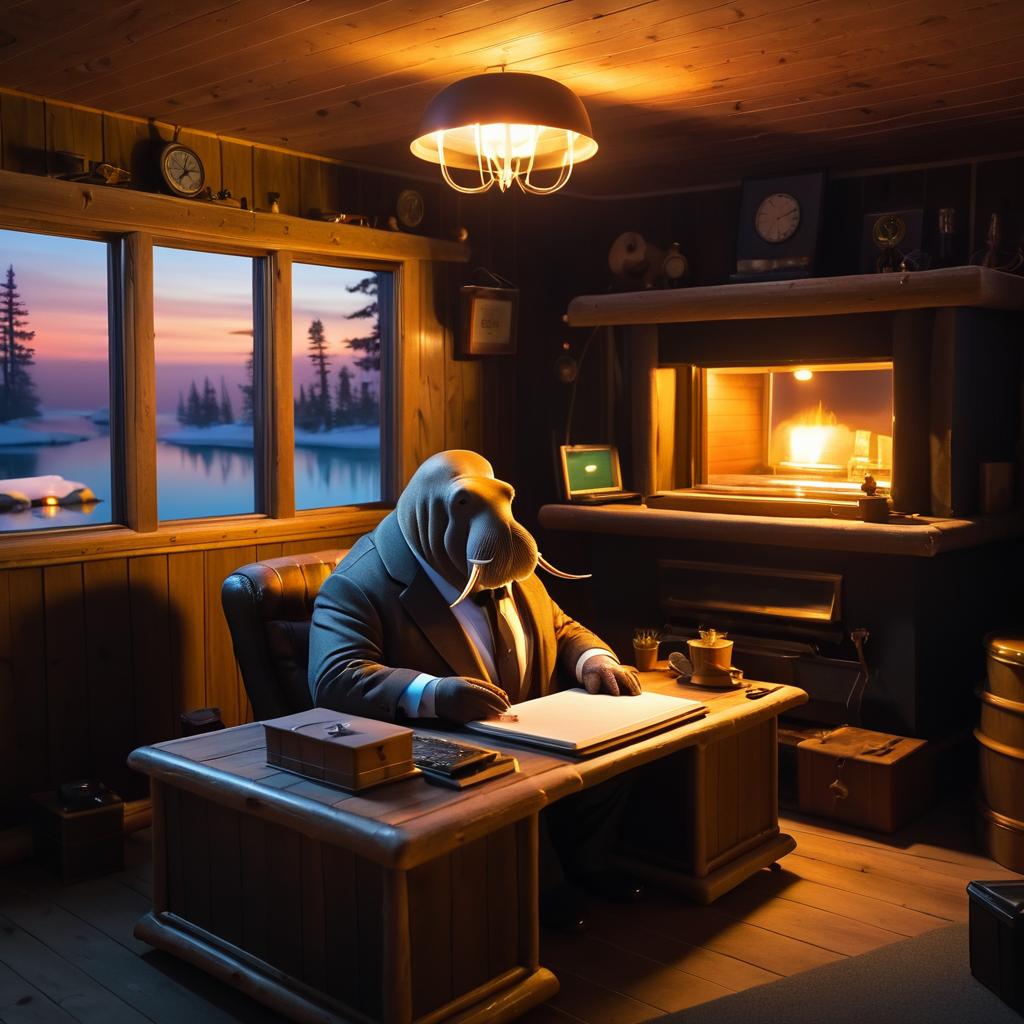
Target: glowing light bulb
(803, 374)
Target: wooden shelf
(919, 537)
(815, 296)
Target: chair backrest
(268, 606)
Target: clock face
(182, 170)
(777, 217)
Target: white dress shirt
(418, 699)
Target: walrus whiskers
(548, 567)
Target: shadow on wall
(92, 669)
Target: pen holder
(645, 657)
(712, 662)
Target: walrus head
(458, 518)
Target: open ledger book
(577, 722)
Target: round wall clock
(409, 208)
(182, 170)
(777, 217)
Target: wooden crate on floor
(865, 778)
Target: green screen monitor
(590, 469)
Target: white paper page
(576, 720)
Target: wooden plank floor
(67, 952)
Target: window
(203, 321)
(54, 382)
(337, 328)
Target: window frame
(132, 223)
(388, 363)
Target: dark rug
(924, 980)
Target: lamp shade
(505, 126)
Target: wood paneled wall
(35, 132)
(100, 654)
(736, 423)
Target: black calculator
(445, 757)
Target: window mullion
(275, 436)
(138, 383)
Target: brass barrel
(1000, 736)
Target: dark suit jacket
(378, 622)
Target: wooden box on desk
(871, 779)
(341, 750)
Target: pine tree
(227, 413)
(367, 411)
(182, 414)
(321, 360)
(306, 410)
(247, 392)
(210, 408)
(194, 407)
(17, 389)
(343, 408)
(370, 343)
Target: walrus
(382, 628)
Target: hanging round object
(182, 170)
(503, 128)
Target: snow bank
(239, 435)
(363, 437)
(221, 435)
(12, 435)
(23, 492)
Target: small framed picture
(488, 322)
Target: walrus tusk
(474, 576)
(548, 567)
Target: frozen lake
(194, 481)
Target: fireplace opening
(809, 431)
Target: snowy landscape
(55, 461)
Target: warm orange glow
(50, 500)
(812, 436)
(803, 374)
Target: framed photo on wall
(489, 318)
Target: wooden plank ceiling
(681, 92)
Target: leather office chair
(268, 606)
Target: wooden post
(397, 964)
(276, 469)
(701, 823)
(643, 362)
(528, 839)
(911, 361)
(138, 367)
(159, 826)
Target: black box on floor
(997, 939)
(77, 844)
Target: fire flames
(812, 435)
(816, 443)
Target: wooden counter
(918, 536)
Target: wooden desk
(413, 902)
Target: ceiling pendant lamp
(505, 127)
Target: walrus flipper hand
(602, 674)
(467, 700)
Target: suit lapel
(439, 625)
(425, 606)
(534, 607)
